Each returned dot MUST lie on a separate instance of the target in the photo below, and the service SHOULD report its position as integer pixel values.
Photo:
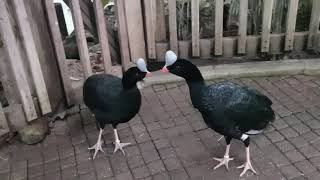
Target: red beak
(165, 69)
(149, 74)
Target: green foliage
(104, 2)
(304, 14)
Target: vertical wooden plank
(173, 25)
(103, 36)
(218, 35)
(32, 56)
(266, 25)
(195, 28)
(314, 23)
(123, 34)
(161, 34)
(14, 55)
(133, 12)
(59, 50)
(243, 19)
(81, 38)
(150, 23)
(291, 24)
(4, 128)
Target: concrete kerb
(247, 69)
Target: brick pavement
(170, 140)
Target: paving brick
(285, 146)
(53, 176)
(156, 167)
(294, 156)
(290, 171)
(298, 141)
(88, 176)
(135, 161)
(309, 151)
(172, 164)
(304, 116)
(179, 174)
(310, 137)
(147, 146)
(275, 136)
(150, 156)
(85, 167)
(301, 128)
(118, 163)
(313, 124)
(67, 162)
(291, 120)
(140, 172)
(35, 171)
(157, 134)
(305, 167)
(124, 176)
(161, 176)
(289, 133)
(167, 153)
(132, 150)
(52, 166)
(5, 176)
(162, 143)
(261, 141)
(69, 173)
(199, 171)
(103, 168)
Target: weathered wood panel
(16, 64)
(81, 38)
(291, 24)
(103, 36)
(195, 28)
(59, 50)
(314, 24)
(32, 56)
(4, 128)
(173, 25)
(133, 12)
(266, 25)
(123, 34)
(243, 19)
(218, 35)
(150, 26)
(161, 34)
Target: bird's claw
(120, 146)
(223, 161)
(97, 147)
(246, 166)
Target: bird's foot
(223, 161)
(246, 166)
(97, 147)
(120, 146)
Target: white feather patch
(142, 66)
(171, 58)
(244, 137)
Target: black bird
(231, 110)
(114, 101)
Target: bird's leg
(225, 160)
(98, 146)
(247, 165)
(117, 144)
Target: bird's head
(135, 74)
(180, 67)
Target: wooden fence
(243, 44)
(142, 34)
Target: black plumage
(109, 101)
(113, 100)
(232, 110)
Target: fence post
(150, 22)
(314, 23)
(173, 25)
(195, 28)
(291, 24)
(218, 28)
(243, 19)
(81, 38)
(266, 25)
(16, 64)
